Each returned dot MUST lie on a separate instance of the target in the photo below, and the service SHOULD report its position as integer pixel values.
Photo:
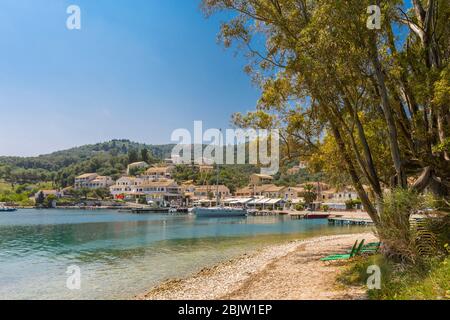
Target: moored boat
(7, 209)
(219, 212)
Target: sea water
(120, 255)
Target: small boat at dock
(7, 209)
(219, 212)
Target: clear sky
(137, 69)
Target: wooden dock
(263, 213)
(350, 221)
(309, 216)
(150, 210)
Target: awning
(274, 201)
(243, 200)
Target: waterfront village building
(93, 181)
(157, 173)
(293, 194)
(336, 198)
(211, 192)
(273, 191)
(267, 190)
(100, 182)
(160, 192)
(136, 165)
(124, 186)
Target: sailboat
(219, 211)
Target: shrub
(399, 282)
(394, 229)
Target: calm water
(121, 254)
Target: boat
(219, 212)
(7, 209)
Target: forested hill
(108, 158)
(112, 158)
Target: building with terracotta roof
(125, 185)
(82, 180)
(206, 192)
(156, 173)
(260, 179)
(136, 165)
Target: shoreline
(289, 271)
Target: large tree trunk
(389, 117)
(371, 210)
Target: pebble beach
(289, 271)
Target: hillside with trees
(106, 158)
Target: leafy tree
(49, 201)
(309, 195)
(132, 156)
(335, 87)
(40, 199)
(101, 193)
(145, 156)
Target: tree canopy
(369, 106)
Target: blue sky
(137, 69)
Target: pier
(150, 210)
(350, 221)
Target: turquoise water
(121, 254)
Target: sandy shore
(291, 271)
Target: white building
(125, 185)
(158, 173)
(93, 181)
(161, 192)
(84, 179)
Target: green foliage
(394, 229)
(132, 155)
(352, 204)
(107, 158)
(309, 194)
(398, 282)
(49, 201)
(40, 199)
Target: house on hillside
(82, 180)
(57, 193)
(92, 181)
(158, 173)
(136, 165)
(260, 179)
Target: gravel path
(291, 271)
